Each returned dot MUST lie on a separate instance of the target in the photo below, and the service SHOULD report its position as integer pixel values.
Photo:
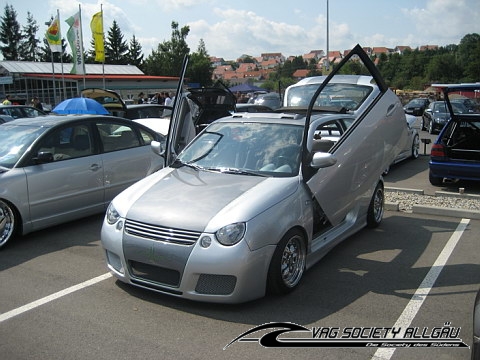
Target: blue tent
(245, 88)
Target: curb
(434, 210)
(411, 191)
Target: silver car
(257, 198)
(55, 169)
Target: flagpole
(61, 57)
(81, 39)
(103, 37)
(53, 80)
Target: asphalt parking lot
(414, 271)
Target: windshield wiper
(178, 164)
(228, 170)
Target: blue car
(455, 155)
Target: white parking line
(37, 303)
(420, 295)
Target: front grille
(215, 284)
(154, 273)
(160, 233)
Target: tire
(415, 147)
(8, 223)
(288, 264)
(435, 181)
(376, 207)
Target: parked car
(145, 111)
(437, 115)
(455, 155)
(271, 99)
(5, 118)
(255, 108)
(256, 198)
(476, 329)
(55, 169)
(411, 150)
(416, 106)
(21, 111)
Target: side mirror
(323, 160)
(157, 148)
(43, 158)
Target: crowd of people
(161, 98)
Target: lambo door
(362, 153)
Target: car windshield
(348, 96)
(265, 149)
(14, 141)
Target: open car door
(193, 110)
(362, 153)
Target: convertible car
(258, 198)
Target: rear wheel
(416, 147)
(8, 222)
(376, 207)
(288, 263)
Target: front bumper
(217, 273)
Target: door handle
(390, 109)
(95, 167)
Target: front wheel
(288, 263)
(376, 207)
(7, 223)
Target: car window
(32, 112)
(68, 143)
(14, 141)
(146, 136)
(15, 113)
(115, 136)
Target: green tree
(134, 54)
(29, 49)
(10, 34)
(469, 57)
(167, 60)
(200, 69)
(116, 47)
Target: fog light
(205, 241)
(119, 225)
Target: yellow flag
(97, 34)
(53, 36)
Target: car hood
(185, 198)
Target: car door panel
(61, 190)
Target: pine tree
(29, 50)
(10, 34)
(200, 69)
(134, 54)
(116, 47)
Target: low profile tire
(435, 181)
(416, 147)
(376, 207)
(288, 264)
(8, 223)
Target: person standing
(7, 100)
(140, 98)
(168, 99)
(36, 103)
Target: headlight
(231, 234)
(112, 215)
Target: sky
(231, 29)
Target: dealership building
(53, 83)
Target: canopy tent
(245, 88)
